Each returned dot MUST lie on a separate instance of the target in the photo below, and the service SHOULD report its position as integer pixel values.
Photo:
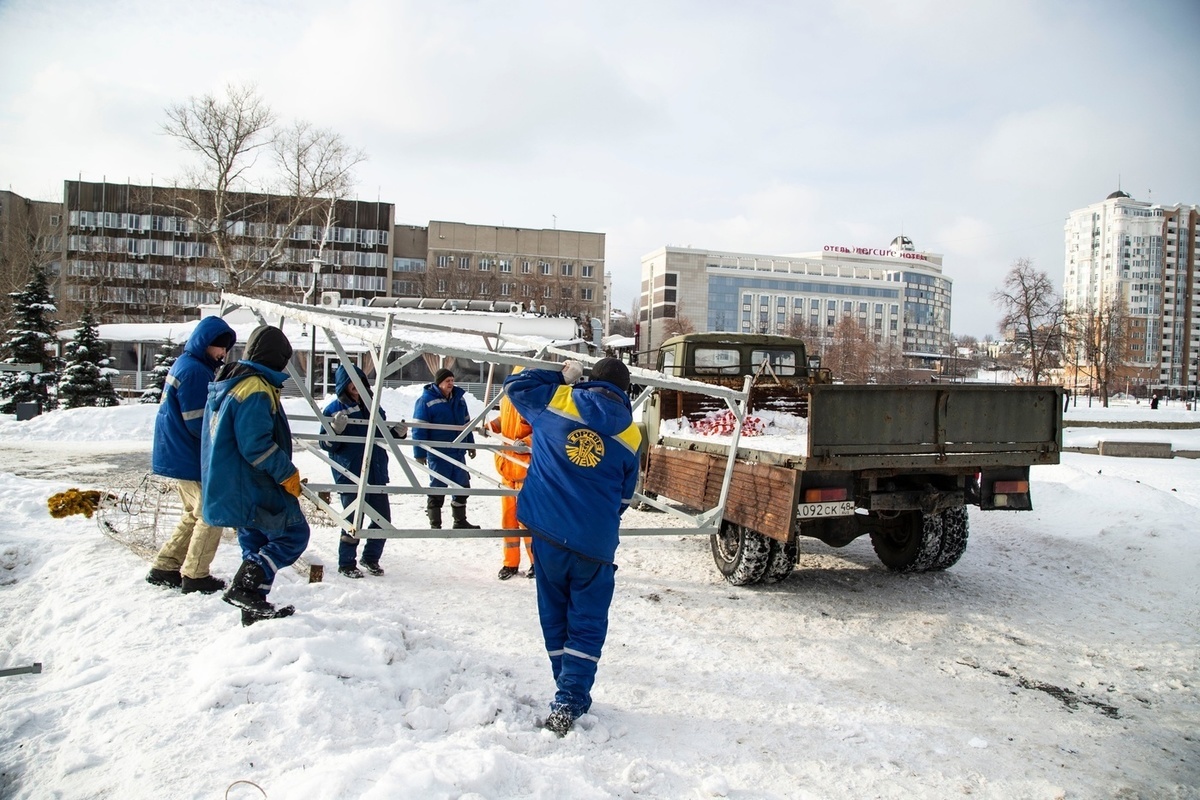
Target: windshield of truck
(666, 361)
(717, 361)
(782, 361)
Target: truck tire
(909, 543)
(741, 554)
(780, 561)
(955, 529)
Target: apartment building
(136, 253)
(1145, 254)
(557, 272)
(896, 293)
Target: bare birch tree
(248, 212)
(1106, 342)
(850, 352)
(1033, 312)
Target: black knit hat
(269, 347)
(441, 375)
(612, 370)
(227, 340)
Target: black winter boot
(435, 514)
(460, 516)
(165, 577)
(248, 591)
(209, 584)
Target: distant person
(443, 403)
(250, 482)
(184, 560)
(581, 479)
(1154, 403)
(512, 468)
(349, 415)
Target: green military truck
(900, 463)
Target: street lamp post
(316, 263)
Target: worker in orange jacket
(512, 468)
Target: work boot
(248, 591)
(372, 567)
(460, 517)
(350, 571)
(505, 572)
(560, 720)
(165, 577)
(206, 585)
(531, 574)
(435, 516)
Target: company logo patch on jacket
(585, 448)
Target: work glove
(400, 430)
(470, 454)
(291, 484)
(572, 371)
(339, 421)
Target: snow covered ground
(1058, 659)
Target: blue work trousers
(274, 550)
(348, 545)
(574, 594)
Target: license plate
(842, 508)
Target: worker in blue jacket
(183, 561)
(443, 403)
(249, 480)
(349, 415)
(582, 476)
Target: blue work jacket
(433, 407)
(584, 466)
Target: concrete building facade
(896, 293)
(1147, 255)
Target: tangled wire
(75, 501)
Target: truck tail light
(1010, 487)
(824, 495)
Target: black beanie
(227, 340)
(612, 370)
(269, 347)
(441, 375)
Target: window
(548, 292)
(526, 268)
(464, 262)
(567, 294)
(441, 286)
(587, 271)
(568, 270)
(545, 267)
(506, 289)
(782, 361)
(586, 294)
(505, 265)
(717, 361)
(485, 265)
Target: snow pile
(118, 424)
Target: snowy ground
(1058, 659)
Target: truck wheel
(909, 543)
(741, 554)
(955, 528)
(780, 562)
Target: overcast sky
(759, 127)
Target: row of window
(131, 295)
(814, 304)
(144, 223)
(463, 288)
(504, 265)
(241, 252)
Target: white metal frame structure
(383, 336)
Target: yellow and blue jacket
(584, 465)
(246, 452)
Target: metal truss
(403, 340)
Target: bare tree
(677, 326)
(1105, 342)
(250, 218)
(850, 352)
(1033, 313)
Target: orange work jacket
(511, 425)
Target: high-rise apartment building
(1146, 254)
(896, 293)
